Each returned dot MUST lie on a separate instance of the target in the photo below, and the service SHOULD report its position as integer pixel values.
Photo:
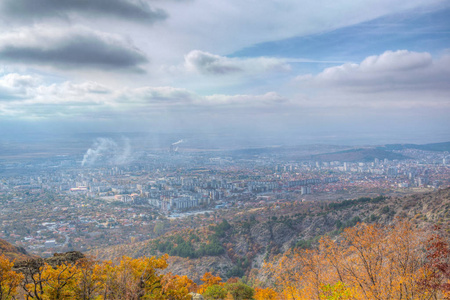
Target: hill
(13, 252)
(359, 155)
(441, 147)
(234, 247)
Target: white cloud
(396, 61)
(14, 86)
(400, 70)
(30, 99)
(268, 99)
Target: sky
(270, 72)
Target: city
(63, 205)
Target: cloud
(211, 64)
(156, 96)
(400, 70)
(16, 86)
(228, 26)
(29, 10)
(30, 90)
(30, 97)
(69, 48)
(268, 99)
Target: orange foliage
(233, 280)
(177, 287)
(265, 294)
(437, 268)
(366, 262)
(370, 262)
(208, 280)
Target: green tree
(215, 292)
(240, 291)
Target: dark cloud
(70, 49)
(210, 64)
(135, 10)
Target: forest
(367, 261)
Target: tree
(60, 282)
(240, 291)
(215, 292)
(9, 280)
(33, 281)
(177, 287)
(134, 278)
(265, 294)
(208, 280)
(368, 262)
(89, 279)
(337, 291)
(437, 268)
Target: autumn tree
(33, 281)
(89, 279)
(59, 282)
(9, 280)
(437, 267)
(366, 262)
(133, 278)
(265, 294)
(209, 280)
(176, 287)
(337, 291)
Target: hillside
(441, 147)
(232, 248)
(359, 155)
(13, 252)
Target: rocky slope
(13, 252)
(32, 264)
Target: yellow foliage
(60, 282)
(88, 279)
(9, 280)
(265, 294)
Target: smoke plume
(176, 143)
(108, 151)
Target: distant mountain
(13, 252)
(441, 147)
(293, 152)
(358, 155)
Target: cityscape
(224, 150)
(63, 204)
